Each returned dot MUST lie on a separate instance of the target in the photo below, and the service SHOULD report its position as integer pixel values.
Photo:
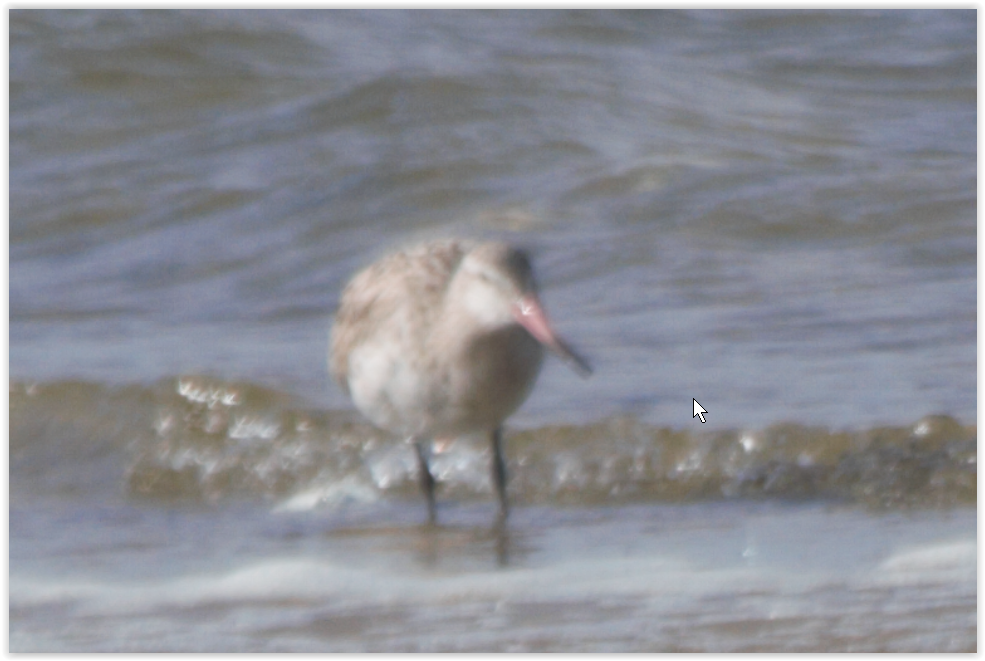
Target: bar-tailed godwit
(444, 339)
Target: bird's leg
(499, 471)
(424, 475)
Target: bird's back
(385, 316)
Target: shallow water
(771, 212)
(722, 577)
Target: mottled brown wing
(408, 284)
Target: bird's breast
(489, 377)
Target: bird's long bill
(530, 315)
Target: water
(674, 578)
(771, 212)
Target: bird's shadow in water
(454, 542)
(441, 544)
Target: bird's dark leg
(424, 474)
(499, 471)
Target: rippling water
(771, 212)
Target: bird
(443, 339)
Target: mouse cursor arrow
(699, 411)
